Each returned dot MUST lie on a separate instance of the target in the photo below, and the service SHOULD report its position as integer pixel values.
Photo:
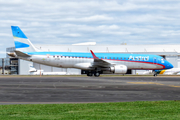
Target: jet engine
(119, 69)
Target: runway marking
(173, 86)
(145, 83)
(152, 83)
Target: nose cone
(169, 66)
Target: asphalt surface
(40, 90)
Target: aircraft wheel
(155, 74)
(96, 74)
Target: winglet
(94, 56)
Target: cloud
(5, 35)
(116, 33)
(103, 21)
(88, 19)
(170, 33)
(2, 52)
(73, 35)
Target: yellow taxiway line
(152, 83)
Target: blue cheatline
(20, 44)
(16, 31)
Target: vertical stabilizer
(22, 43)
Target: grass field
(165, 110)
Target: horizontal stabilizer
(12, 54)
(21, 54)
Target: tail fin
(22, 43)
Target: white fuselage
(86, 63)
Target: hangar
(16, 66)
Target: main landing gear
(91, 73)
(96, 74)
(155, 74)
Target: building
(21, 67)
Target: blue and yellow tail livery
(17, 33)
(21, 42)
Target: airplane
(173, 71)
(34, 71)
(91, 63)
(148, 72)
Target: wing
(100, 62)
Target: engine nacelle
(120, 69)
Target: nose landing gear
(155, 74)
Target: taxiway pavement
(33, 90)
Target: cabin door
(48, 57)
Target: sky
(107, 22)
